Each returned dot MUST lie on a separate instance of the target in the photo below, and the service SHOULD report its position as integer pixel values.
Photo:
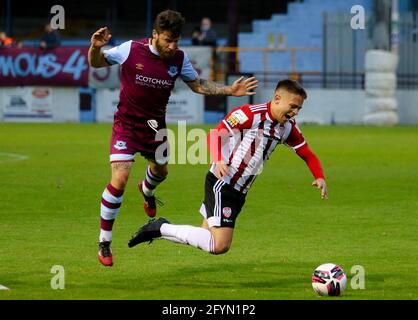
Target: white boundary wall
(323, 105)
(407, 106)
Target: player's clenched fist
(101, 37)
(221, 169)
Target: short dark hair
(292, 86)
(169, 21)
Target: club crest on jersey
(172, 71)
(120, 145)
(227, 211)
(153, 124)
(236, 117)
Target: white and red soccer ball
(329, 280)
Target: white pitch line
(3, 287)
(13, 157)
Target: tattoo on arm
(208, 87)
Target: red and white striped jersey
(253, 136)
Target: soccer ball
(329, 280)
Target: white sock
(172, 239)
(105, 235)
(195, 236)
(148, 192)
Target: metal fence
(344, 51)
(408, 51)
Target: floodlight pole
(395, 27)
(148, 28)
(111, 15)
(8, 18)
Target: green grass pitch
(52, 177)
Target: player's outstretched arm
(315, 167)
(239, 88)
(95, 57)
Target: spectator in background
(50, 39)
(206, 36)
(5, 41)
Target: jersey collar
(152, 49)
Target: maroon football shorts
(146, 136)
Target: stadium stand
(285, 26)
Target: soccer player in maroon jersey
(150, 68)
(239, 146)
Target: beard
(164, 54)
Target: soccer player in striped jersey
(239, 146)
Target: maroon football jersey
(146, 79)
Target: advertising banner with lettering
(107, 77)
(185, 105)
(65, 66)
(32, 104)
